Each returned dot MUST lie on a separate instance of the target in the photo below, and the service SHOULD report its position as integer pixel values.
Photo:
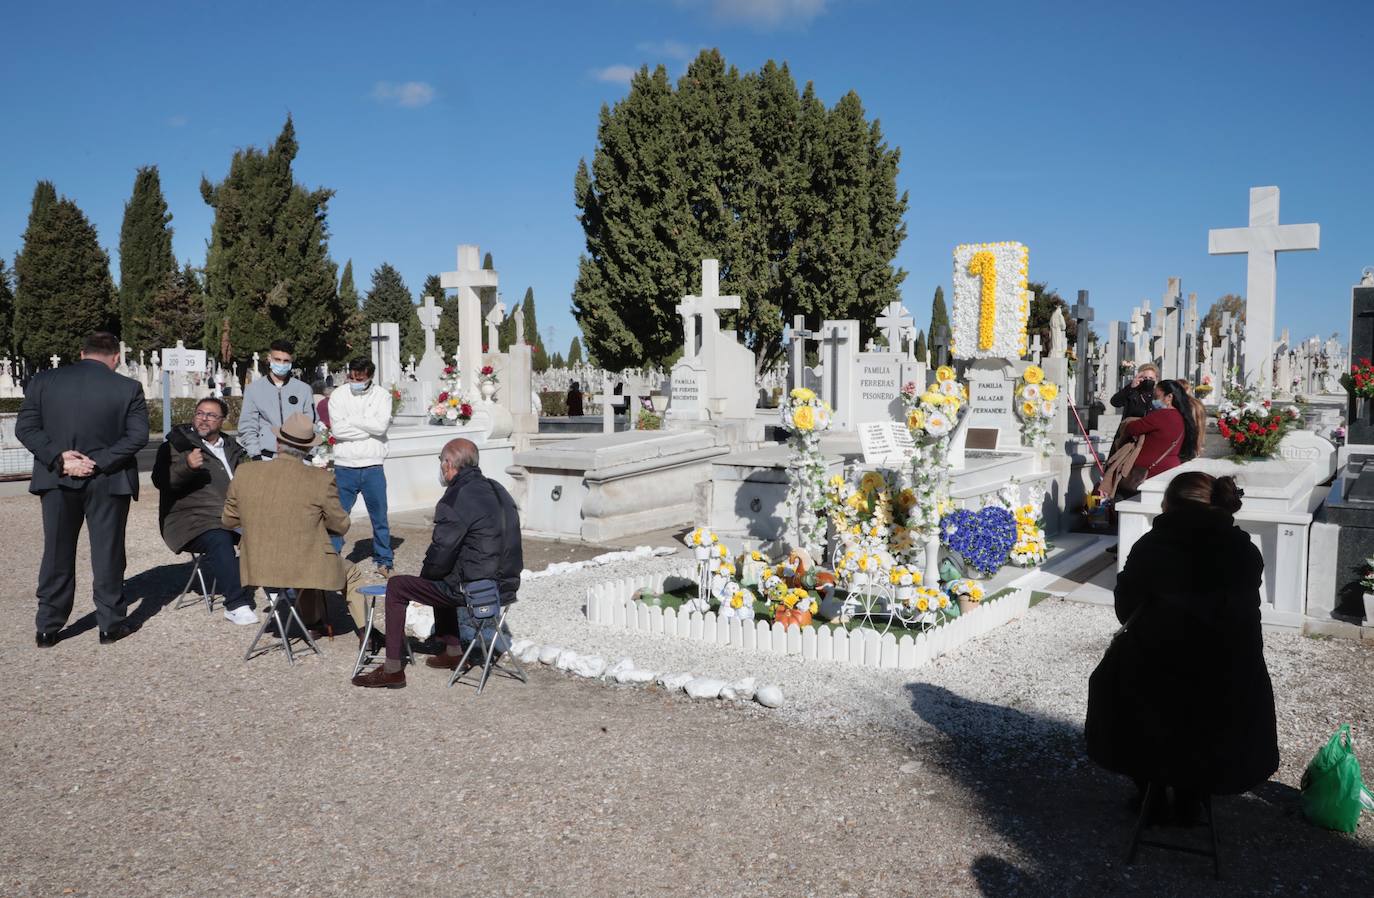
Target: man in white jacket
(358, 420)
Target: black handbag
(1104, 725)
(484, 596)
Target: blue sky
(1108, 140)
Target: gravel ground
(164, 765)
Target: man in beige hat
(288, 510)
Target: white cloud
(410, 94)
(178, 121)
(615, 74)
(761, 13)
(666, 50)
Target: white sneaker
(242, 615)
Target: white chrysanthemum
(951, 388)
(1031, 392)
(1047, 408)
(937, 425)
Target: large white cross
(467, 280)
(706, 305)
(1261, 242)
(893, 321)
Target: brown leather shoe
(443, 661)
(380, 679)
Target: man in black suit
(84, 424)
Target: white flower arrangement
(806, 417)
(738, 604)
(991, 302)
(1035, 407)
(931, 417)
(967, 589)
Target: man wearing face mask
(269, 401)
(359, 416)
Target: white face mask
(442, 482)
(359, 388)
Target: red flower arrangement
(1360, 381)
(487, 370)
(1256, 431)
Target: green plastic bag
(1332, 790)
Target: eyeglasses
(210, 416)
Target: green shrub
(649, 420)
(182, 410)
(553, 405)
(10, 405)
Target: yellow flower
(804, 418)
(790, 600)
(755, 555)
(915, 419)
(737, 600)
(804, 394)
(815, 606)
(721, 550)
(871, 481)
(837, 481)
(906, 498)
(1049, 391)
(923, 604)
(1034, 374)
(944, 373)
(930, 397)
(858, 502)
(453, 402)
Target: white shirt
(217, 449)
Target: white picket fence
(612, 604)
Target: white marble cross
(1261, 242)
(796, 352)
(608, 402)
(55, 359)
(429, 315)
(1035, 348)
(706, 305)
(893, 321)
(467, 280)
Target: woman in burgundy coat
(1169, 431)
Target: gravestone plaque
(991, 394)
(685, 400)
(886, 443)
(878, 387)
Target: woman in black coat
(574, 400)
(1189, 705)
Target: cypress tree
(268, 268)
(6, 311)
(574, 352)
(390, 300)
(358, 334)
(557, 361)
(64, 289)
(939, 315)
(798, 203)
(922, 353)
(146, 263)
(176, 311)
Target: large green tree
(798, 202)
(531, 323)
(447, 334)
(268, 268)
(175, 311)
(939, 314)
(6, 310)
(146, 263)
(1212, 320)
(390, 300)
(357, 333)
(64, 289)
(1044, 300)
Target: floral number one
(984, 265)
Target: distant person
(193, 470)
(1187, 704)
(474, 559)
(84, 425)
(1135, 398)
(1169, 432)
(320, 391)
(288, 510)
(361, 415)
(269, 401)
(575, 400)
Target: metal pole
(166, 401)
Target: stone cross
(796, 352)
(1035, 348)
(429, 314)
(835, 336)
(55, 359)
(872, 345)
(468, 279)
(608, 402)
(893, 321)
(1261, 242)
(706, 305)
(1083, 314)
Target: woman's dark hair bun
(1226, 495)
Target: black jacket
(87, 407)
(1194, 702)
(191, 501)
(476, 536)
(1134, 402)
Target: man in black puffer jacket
(473, 557)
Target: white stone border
(612, 604)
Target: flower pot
(906, 594)
(488, 390)
(1369, 609)
(703, 553)
(966, 605)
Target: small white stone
(674, 682)
(635, 675)
(740, 690)
(769, 696)
(704, 687)
(588, 665)
(530, 654)
(519, 646)
(549, 654)
(621, 665)
(566, 659)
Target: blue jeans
(221, 566)
(371, 482)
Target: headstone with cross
(1083, 315)
(1261, 242)
(469, 278)
(55, 360)
(717, 374)
(1035, 348)
(431, 367)
(839, 343)
(894, 320)
(1171, 309)
(386, 351)
(796, 352)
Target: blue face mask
(1157, 403)
(281, 369)
(359, 388)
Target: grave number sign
(183, 360)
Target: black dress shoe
(117, 632)
(45, 640)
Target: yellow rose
(930, 397)
(452, 402)
(1049, 391)
(1028, 409)
(915, 420)
(943, 373)
(737, 600)
(1034, 374)
(804, 418)
(906, 498)
(803, 394)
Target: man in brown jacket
(288, 510)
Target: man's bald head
(459, 454)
